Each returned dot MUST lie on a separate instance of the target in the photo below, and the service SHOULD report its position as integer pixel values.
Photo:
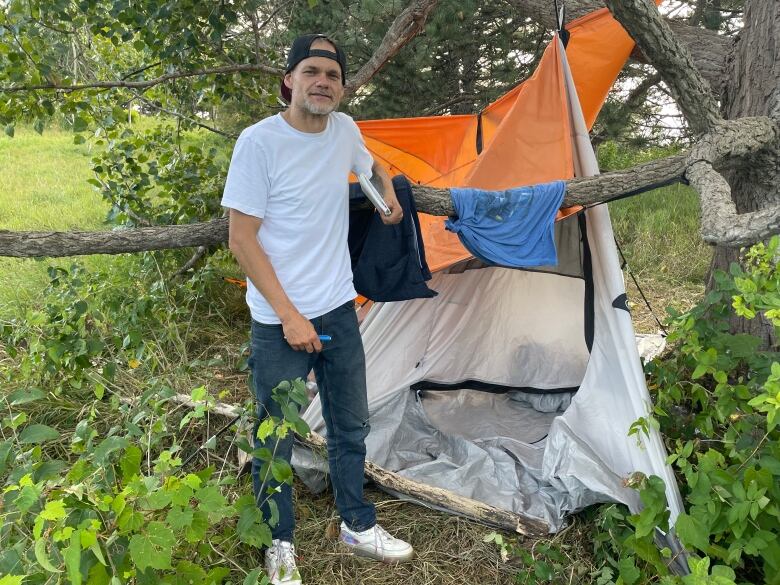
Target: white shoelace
(285, 552)
(381, 537)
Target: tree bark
(753, 89)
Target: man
(287, 191)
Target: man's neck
(304, 121)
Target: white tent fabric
(525, 332)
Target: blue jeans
(340, 369)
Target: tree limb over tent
(431, 200)
(729, 140)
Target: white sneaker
(377, 544)
(280, 563)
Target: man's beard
(317, 109)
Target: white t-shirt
(297, 182)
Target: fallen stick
(427, 495)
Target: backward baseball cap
(301, 49)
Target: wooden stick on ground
(427, 495)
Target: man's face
(316, 82)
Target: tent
(516, 388)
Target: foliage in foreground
(96, 484)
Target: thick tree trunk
(753, 89)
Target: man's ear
(288, 81)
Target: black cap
(301, 49)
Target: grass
(658, 233)
(44, 188)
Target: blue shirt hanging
(513, 228)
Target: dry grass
(661, 295)
(448, 549)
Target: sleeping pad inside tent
(512, 387)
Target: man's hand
(300, 334)
(392, 202)
(388, 194)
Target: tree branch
(404, 28)
(586, 191)
(720, 222)
(729, 141)
(151, 104)
(673, 61)
(247, 67)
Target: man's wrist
(287, 315)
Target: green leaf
(199, 394)
(265, 429)
(700, 370)
(197, 530)
(27, 497)
(43, 558)
(5, 452)
(72, 558)
(54, 510)
(12, 580)
(153, 548)
(281, 471)
(628, 570)
(543, 571)
(108, 446)
(179, 517)
(188, 573)
(692, 532)
(251, 529)
(157, 500)
(38, 434)
(252, 578)
(25, 395)
(80, 124)
(49, 470)
(211, 500)
(130, 462)
(743, 345)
